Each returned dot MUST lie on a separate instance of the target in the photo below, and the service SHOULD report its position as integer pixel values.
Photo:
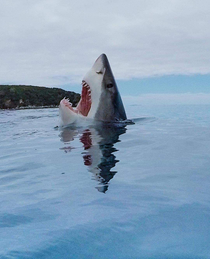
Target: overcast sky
(54, 42)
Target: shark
(100, 98)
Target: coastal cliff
(27, 96)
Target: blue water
(137, 192)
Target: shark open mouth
(85, 102)
(100, 99)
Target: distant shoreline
(33, 97)
(30, 107)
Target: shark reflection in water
(98, 155)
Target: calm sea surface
(137, 192)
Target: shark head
(100, 98)
(106, 101)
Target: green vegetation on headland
(27, 96)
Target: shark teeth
(67, 102)
(84, 84)
(85, 102)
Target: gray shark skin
(100, 98)
(110, 105)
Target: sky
(153, 46)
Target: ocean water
(140, 191)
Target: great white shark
(100, 98)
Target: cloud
(53, 42)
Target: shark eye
(109, 85)
(99, 72)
